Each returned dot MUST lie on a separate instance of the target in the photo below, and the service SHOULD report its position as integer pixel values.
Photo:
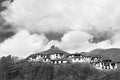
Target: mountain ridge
(112, 53)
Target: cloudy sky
(29, 26)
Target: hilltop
(50, 51)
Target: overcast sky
(29, 26)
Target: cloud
(101, 35)
(60, 15)
(22, 44)
(6, 29)
(73, 25)
(54, 36)
(37, 15)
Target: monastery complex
(57, 56)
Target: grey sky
(29, 26)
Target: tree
(5, 63)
